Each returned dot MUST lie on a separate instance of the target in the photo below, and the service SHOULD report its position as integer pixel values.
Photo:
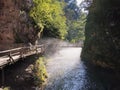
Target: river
(66, 71)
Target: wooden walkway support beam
(3, 77)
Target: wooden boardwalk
(12, 55)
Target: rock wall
(15, 23)
(102, 44)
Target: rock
(15, 23)
(102, 44)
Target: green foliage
(76, 29)
(49, 15)
(76, 21)
(71, 9)
(39, 72)
(6, 88)
(57, 18)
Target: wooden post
(42, 49)
(22, 54)
(36, 49)
(3, 77)
(11, 58)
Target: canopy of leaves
(76, 29)
(75, 21)
(49, 16)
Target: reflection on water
(67, 72)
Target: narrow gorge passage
(67, 72)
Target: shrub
(39, 72)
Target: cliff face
(15, 23)
(102, 44)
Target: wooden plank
(6, 51)
(13, 55)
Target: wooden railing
(12, 55)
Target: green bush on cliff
(49, 14)
(39, 72)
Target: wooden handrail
(20, 48)
(7, 51)
(12, 55)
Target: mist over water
(53, 45)
(61, 67)
(66, 70)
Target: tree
(75, 21)
(76, 29)
(49, 16)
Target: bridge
(11, 56)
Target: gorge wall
(102, 44)
(15, 23)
